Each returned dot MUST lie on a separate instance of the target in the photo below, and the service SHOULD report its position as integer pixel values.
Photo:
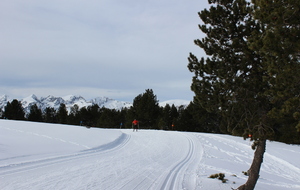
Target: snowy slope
(48, 156)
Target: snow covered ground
(49, 156)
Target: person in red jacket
(135, 125)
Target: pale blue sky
(97, 48)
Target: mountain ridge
(71, 100)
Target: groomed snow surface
(51, 156)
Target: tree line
(145, 108)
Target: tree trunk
(253, 172)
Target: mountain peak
(31, 97)
(3, 97)
(69, 101)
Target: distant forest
(145, 109)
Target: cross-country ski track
(49, 156)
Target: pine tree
(62, 114)
(109, 118)
(84, 116)
(166, 121)
(230, 81)
(35, 114)
(197, 119)
(94, 114)
(145, 109)
(173, 116)
(14, 110)
(73, 117)
(50, 115)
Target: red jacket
(135, 122)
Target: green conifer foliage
(251, 75)
(35, 114)
(73, 117)
(14, 110)
(146, 109)
(62, 114)
(50, 115)
(279, 45)
(230, 80)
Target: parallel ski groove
(26, 166)
(170, 180)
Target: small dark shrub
(220, 176)
(245, 173)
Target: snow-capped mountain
(69, 101)
(176, 102)
(3, 101)
(110, 103)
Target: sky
(96, 48)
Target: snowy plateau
(44, 156)
(71, 100)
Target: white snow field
(52, 156)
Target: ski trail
(170, 163)
(169, 182)
(181, 175)
(46, 137)
(117, 144)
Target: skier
(135, 125)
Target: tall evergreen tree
(90, 115)
(62, 114)
(109, 118)
(197, 119)
(166, 120)
(73, 117)
(173, 115)
(145, 109)
(14, 110)
(84, 116)
(230, 81)
(94, 112)
(50, 115)
(169, 116)
(35, 114)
